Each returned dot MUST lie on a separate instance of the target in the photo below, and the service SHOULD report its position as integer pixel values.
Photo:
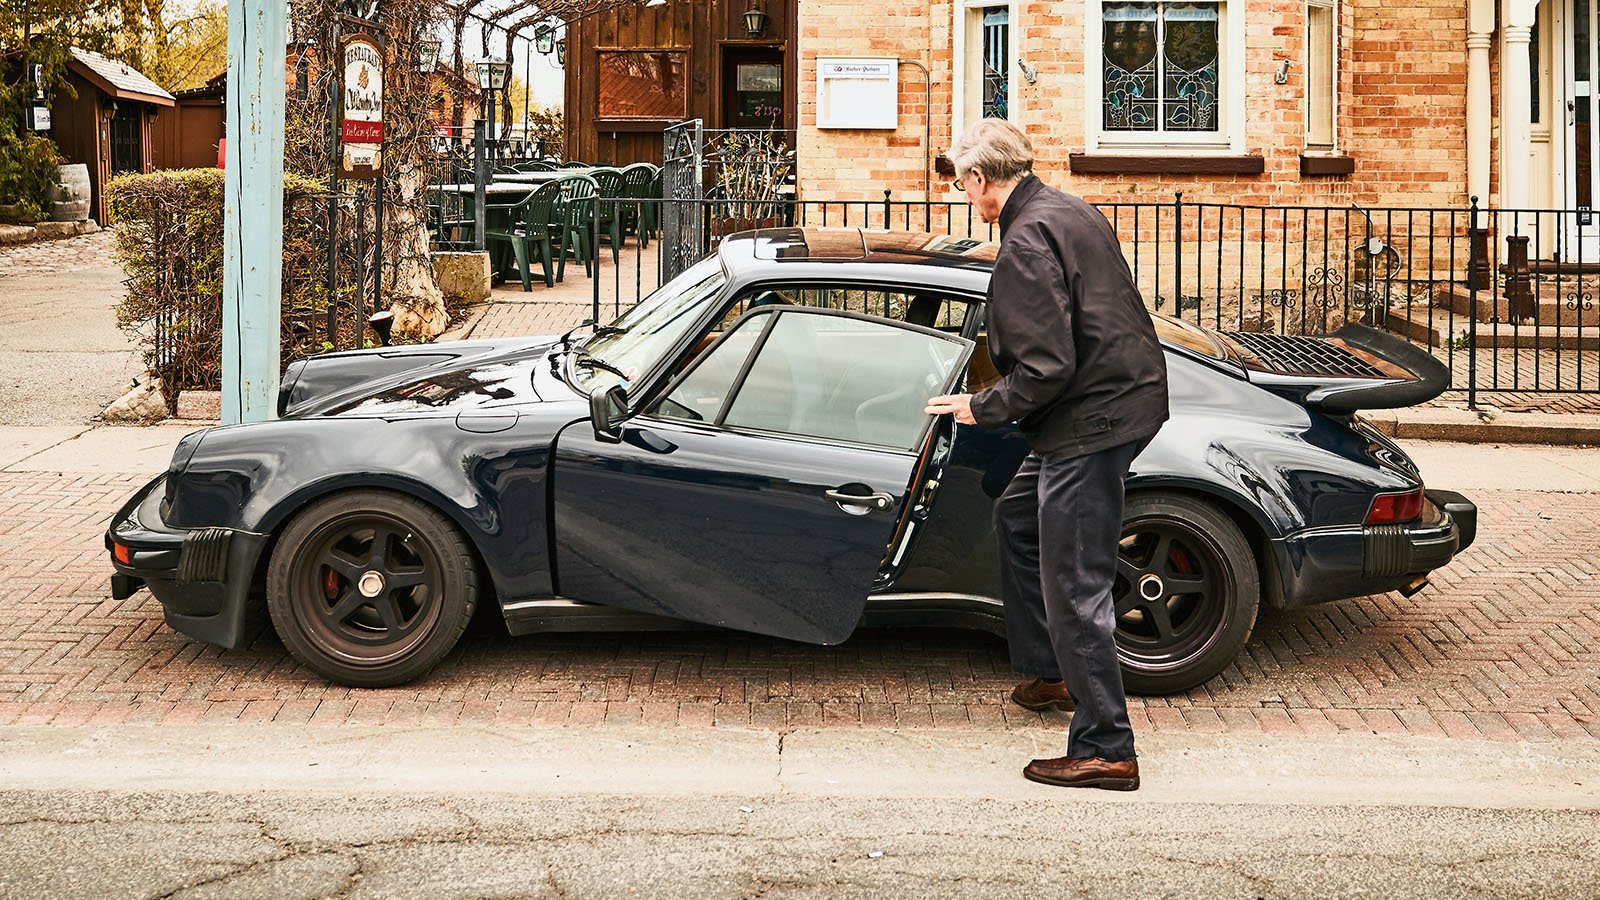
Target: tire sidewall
(1241, 590)
(457, 593)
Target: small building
(634, 70)
(189, 135)
(109, 123)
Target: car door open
(760, 490)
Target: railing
(1507, 298)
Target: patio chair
(574, 164)
(577, 214)
(530, 226)
(537, 165)
(608, 211)
(636, 189)
(651, 209)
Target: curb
(1487, 425)
(464, 330)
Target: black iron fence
(1507, 298)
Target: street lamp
(427, 56)
(561, 52)
(492, 75)
(544, 38)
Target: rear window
(1190, 337)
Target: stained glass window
(1161, 65)
(996, 62)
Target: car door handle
(877, 500)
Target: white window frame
(1227, 140)
(1335, 6)
(960, 11)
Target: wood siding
(705, 30)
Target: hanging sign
(361, 128)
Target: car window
(638, 340)
(843, 378)
(922, 307)
(700, 394)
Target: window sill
(1316, 166)
(1151, 164)
(632, 124)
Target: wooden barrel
(69, 199)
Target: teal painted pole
(252, 282)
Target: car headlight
(181, 455)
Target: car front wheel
(1186, 593)
(370, 588)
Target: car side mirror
(605, 409)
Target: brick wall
(1401, 105)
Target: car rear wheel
(1186, 593)
(370, 588)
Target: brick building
(1319, 102)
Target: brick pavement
(1503, 646)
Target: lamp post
(427, 56)
(492, 75)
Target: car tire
(1186, 593)
(371, 588)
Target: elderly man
(1085, 379)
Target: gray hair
(995, 148)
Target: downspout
(927, 140)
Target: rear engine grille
(1298, 355)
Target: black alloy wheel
(1186, 593)
(371, 588)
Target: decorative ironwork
(682, 213)
(1580, 300)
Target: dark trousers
(1058, 525)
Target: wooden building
(110, 122)
(189, 136)
(632, 71)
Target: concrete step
(1553, 304)
(1431, 327)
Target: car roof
(865, 254)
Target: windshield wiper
(586, 360)
(608, 331)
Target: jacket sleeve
(1031, 314)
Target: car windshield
(635, 342)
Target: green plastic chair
(577, 206)
(574, 164)
(530, 226)
(636, 188)
(608, 212)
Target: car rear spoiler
(1357, 367)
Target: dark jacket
(1081, 368)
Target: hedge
(169, 242)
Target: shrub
(29, 168)
(169, 243)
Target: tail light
(120, 553)
(1388, 509)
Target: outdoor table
(495, 188)
(542, 177)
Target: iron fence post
(887, 212)
(480, 182)
(377, 254)
(1472, 308)
(1177, 256)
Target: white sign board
(361, 130)
(858, 93)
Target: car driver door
(760, 491)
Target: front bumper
(202, 577)
(1331, 564)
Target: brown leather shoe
(1040, 695)
(1120, 775)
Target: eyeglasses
(960, 183)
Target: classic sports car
(747, 448)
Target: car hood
(439, 380)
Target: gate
(682, 213)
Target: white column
(1516, 78)
(1480, 37)
(252, 262)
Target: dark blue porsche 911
(747, 449)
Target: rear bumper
(201, 577)
(1334, 563)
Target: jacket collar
(1024, 191)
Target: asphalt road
(62, 357)
(712, 813)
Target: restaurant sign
(361, 131)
